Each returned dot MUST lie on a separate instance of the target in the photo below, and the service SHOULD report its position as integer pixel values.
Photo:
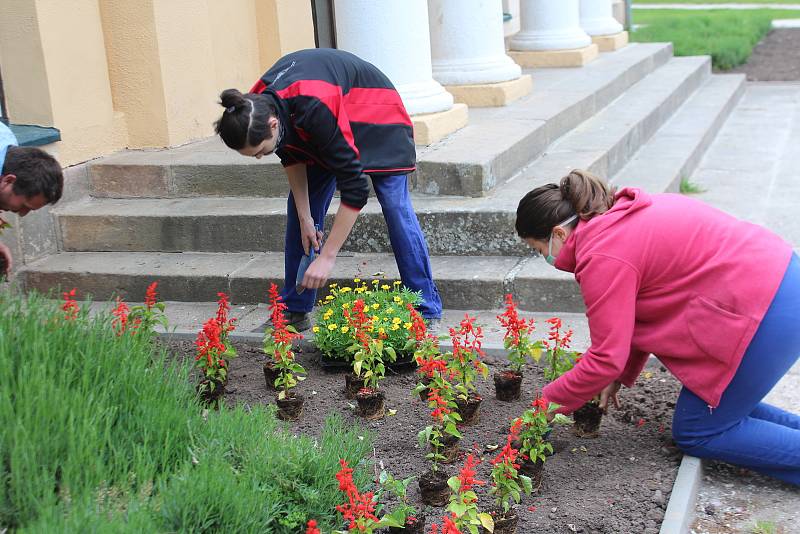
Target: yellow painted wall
(143, 73)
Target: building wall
(112, 74)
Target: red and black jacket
(342, 113)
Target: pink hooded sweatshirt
(667, 275)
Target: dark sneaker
(300, 321)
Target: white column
(393, 35)
(467, 44)
(549, 25)
(597, 17)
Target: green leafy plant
(507, 483)
(360, 508)
(441, 400)
(532, 428)
(463, 504)
(385, 303)
(764, 527)
(143, 319)
(403, 512)
(368, 352)
(690, 188)
(465, 360)
(278, 343)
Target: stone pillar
(468, 53)
(393, 36)
(597, 19)
(551, 36)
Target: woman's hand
(319, 271)
(610, 392)
(310, 237)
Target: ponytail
(244, 121)
(579, 193)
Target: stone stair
(193, 216)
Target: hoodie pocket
(717, 332)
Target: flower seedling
(404, 513)
(464, 501)
(559, 358)
(465, 360)
(507, 483)
(359, 509)
(368, 351)
(210, 356)
(142, 319)
(278, 343)
(517, 339)
(70, 306)
(441, 400)
(533, 427)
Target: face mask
(550, 258)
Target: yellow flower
(385, 287)
(376, 306)
(381, 330)
(398, 300)
(346, 289)
(396, 282)
(397, 320)
(385, 319)
(395, 327)
(356, 280)
(407, 326)
(376, 318)
(345, 305)
(329, 297)
(390, 310)
(345, 329)
(333, 326)
(361, 289)
(316, 329)
(375, 283)
(333, 285)
(327, 315)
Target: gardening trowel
(305, 261)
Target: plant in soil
(440, 439)
(507, 485)
(403, 513)
(368, 360)
(517, 341)
(464, 501)
(144, 318)
(360, 508)
(559, 359)
(531, 430)
(278, 344)
(465, 364)
(211, 360)
(386, 305)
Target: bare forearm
(342, 226)
(298, 183)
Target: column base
(431, 127)
(609, 43)
(577, 57)
(485, 95)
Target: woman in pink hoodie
(716, 299)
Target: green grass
(690, 188)
(103, 434)
(727, 36)
(764, 527)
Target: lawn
(727, 36)
(103, 433)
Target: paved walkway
(716, 6)
(751, 171)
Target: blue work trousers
(743, 430)
(405, 235)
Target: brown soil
(775, 58)
(618, 482)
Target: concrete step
(464, 282)
(495, 145)
(453, 225)
(676, 149)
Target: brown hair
(37, 173)
(579, 193)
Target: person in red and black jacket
(336, 122)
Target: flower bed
(617, 482)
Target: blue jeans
(743, 430)
(405, 235)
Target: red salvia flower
(359, 507)
(280, 332)
(150, 297)
(510, 320)
(70, 306)
(440, 408)
(120, 313)
(418, 327)
(311, 527)
(449, 527)
(508, 455)
(359, 322)
(467, 474)
(432, 365)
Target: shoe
(299, 320)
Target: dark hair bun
(232, 98)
